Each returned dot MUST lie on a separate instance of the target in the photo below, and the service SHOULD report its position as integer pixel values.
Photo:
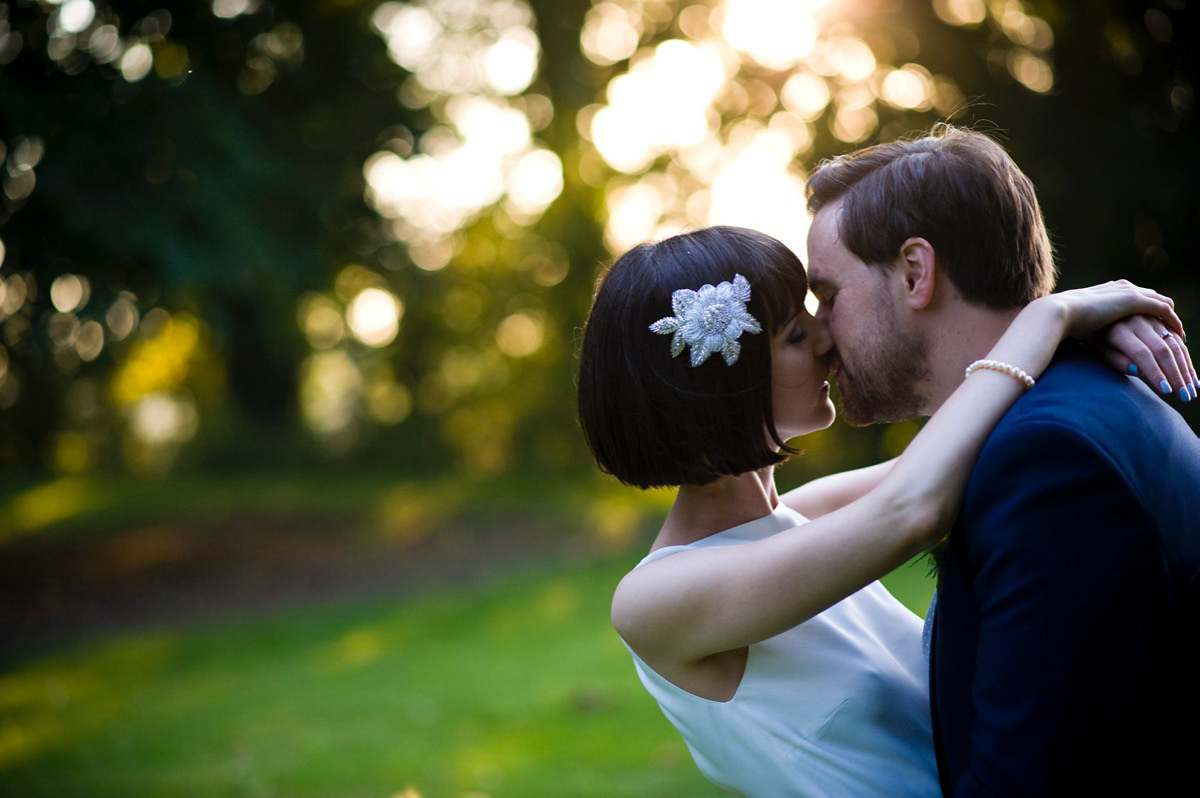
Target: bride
(755, 621)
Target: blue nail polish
(1185, 394)
(1133, 369)
(1164, 386)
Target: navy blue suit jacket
(1066, 638)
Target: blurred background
(290, 294)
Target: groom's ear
(917, 265)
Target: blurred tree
(206, 161)
(379, 223)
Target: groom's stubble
(880, 377)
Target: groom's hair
(652, 419)
(957, 189)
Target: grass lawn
(513, 685)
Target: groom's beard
(879, 383)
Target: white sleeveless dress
(837, 706)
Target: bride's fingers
(1182, 358)
(1098, 306)
(1146, 347)
(1190, 370)
(1173, 324)
(1160, 306)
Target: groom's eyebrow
(817, 284)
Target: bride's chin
(831, 413)
(824, 422)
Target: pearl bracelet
(1003, 368)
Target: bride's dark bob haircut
(653, 420)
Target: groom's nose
(823, 343)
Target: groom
(1066, 640)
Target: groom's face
(877, 361)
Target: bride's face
(800, 390)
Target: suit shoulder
(1083, 397)
(1083, 418)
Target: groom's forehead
(827, 277)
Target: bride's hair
(654, 420)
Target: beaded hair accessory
(709, 320)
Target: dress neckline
(779, 519)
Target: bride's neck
(703, 510)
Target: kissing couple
(1059, 491)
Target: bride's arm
(1125, 344)
(693, 604)
(825, 494)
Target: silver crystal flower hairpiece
(709, 320)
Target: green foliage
(228, 183)
(193, 191)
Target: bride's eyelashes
(797, 334)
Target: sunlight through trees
(258, 234)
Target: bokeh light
(228, 9)
(387, 401)
(849, 57)
(479, 56)
(910, 86)
(510, 63)
(805, 94)
(320, 318)
(122, 316)
(330, 389)
(69, 292)
(610, 33)
(160, 418)
(520, 334)
(89, 340)
(374, 316)
(774, 34)
(136, 62)
(710, 127)
(74, 16)
(1032, 70)
(967, 13)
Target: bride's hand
(1145, 347)
(1143, 332)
